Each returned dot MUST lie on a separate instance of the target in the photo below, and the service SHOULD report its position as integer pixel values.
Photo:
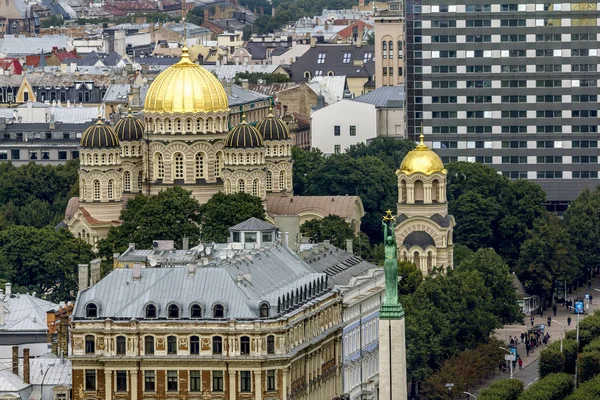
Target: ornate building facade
(424, 228)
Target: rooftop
(25, 313)
(386, 96)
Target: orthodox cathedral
(185, 140)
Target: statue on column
(390, 265)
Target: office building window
(90, 346)
(337, 130)
(337, 149)
(245, 381)
(245, 345)
(121, 381)
(62, 155)
(217, 381)
(585, 174)
(352, 130)
(121, 345)
(149, 381)
(172, 381)
(271, 379)
(3, 155)
(171, 345)
(194, 345)
(15, 154)
(90, 379)
(194, 381)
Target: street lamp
(563, 334)
(509, 360)
(470, 395)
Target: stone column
(284, 389)
(392, 360)
(134, 385)
(232, 386)
(108, 386)
(258, 388)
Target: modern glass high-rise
(509, 84)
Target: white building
(379, 113)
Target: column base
(391, 311)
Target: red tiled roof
(32, 61)
(213, 27)
(11, 63)
(347, 32)
(114, 10)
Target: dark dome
(273, 128)
(99, 135)
(243, 136)
(129, 129)
(418, 238)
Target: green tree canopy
(42, 261)
(253, 77)
(332, 228)
(411, 278)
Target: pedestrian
(511, 340)
(541, 312)
(554, 309)
(522, 337)
(569, 321)
(589, 284)
(520, 364)
(549, 321)
(527, 348)
(532, 318)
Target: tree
(332, 228)
(390, 151)
(411, 278)
(305, 163)
(498, 278)
(42, 261)
(589, 365)
(551, 387)
(547, 256)
(170, 215)
(587, 390)
(247, 32)
(552, 361)
(223, 211)
(503, 389)
(476, 218)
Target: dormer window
(196, 311)
(91, 311)
(264, 310)
(151, 311)
(173, 311)
(218, 311)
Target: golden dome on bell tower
(186, 87)
(423, 160)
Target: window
(584, 128)
(171, 345)
(90, 379)
(121, 381)
(443, 39)
(347, 58)
(549, 175)
(545, 144)
(255, 185)
(514, 160)
(585, 159)
(178, 162)
(269, 180)
(196, 311)
(217, 345)
(194, 381)
(321, 58)
(549, 159)
(513, 38)
(282, 180)
(479, 99)
(352, 130)
(479, 129)
(337, 130)
(584, 144)
(109, 189)
(479, 68)
(62, 155)
(514, 99)
(548, 99)
(244, 345)
(478, 38)
(160, 166)
(172, 381)
(33, 154)
(245, 381)
(271, 379)
(514, 129)
(444, 23)
(149, 344)
(271, 344)
(121, 345)
(218, 311)
(149, 381)
(514, 144)
(585, 175)
(194, 345)
(151, 311)
(91, 310)
(477, 8)
(217, 381)
(444, 69)
(173, 311)
(514, 114)
(443, 84)
(90, 344)
(513, 22)
(337, 149)
(584, 113)
(581, 37)
(3, 155)
(127, 181)
(515, 174)
(140, 180)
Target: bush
(551, 361)
(552, 387)
(504, 389)
(585, 337)
(594, 345)
(569, 351)
(588, 390)
(589, 365)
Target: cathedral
(185, 140)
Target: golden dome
(422, 159)
(186, 87)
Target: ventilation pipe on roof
(8, 289)
(15, 360)
(94, 272)
(137, 272)
(186, 243)
(83, 276)
(287, 240)
(349, 246)
(26, 375)
(1, 308)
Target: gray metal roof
(239, 282)
(20, 46)
(117, 93)
(240, 96)
(334, 61)
(57, 373)
(386, 96)
(253, 224)
(25, 313)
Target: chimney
(349, 247)
(137, 272)
(63, 334)
(361, 3)
(15, 360)
(245, 84)
(227, 87)
(313, 41)
(94, 272)
(83, 277)
(206, 15)
(8, 289)
(135, 96)
(26, 378)
(272, 11)
(186, 243)
(1, 308)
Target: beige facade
(389, 46)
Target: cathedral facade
(423, 227)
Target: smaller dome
(422, 159)
(273, 128)
(243, 136)
(129, 129)
(99, 135)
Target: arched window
(384, 49)
(270, 344)
(121, 348)
(235, 158)
(199, 125)
(159, 166)
(91, 311)
(217, 345)
(171, 345)
(403, 190)
(173, 311)
(419, 191)
(126, 150)
(306, 74)
(254, 158)
(400, 48)
(151, 311)
(255, 185)
(244, 345)
(209, 125)
(264, 310)
(110, 189)
(281, 180)
(148, 344)
(95, 158)
(281, 150)
(177, 125)
(218, 311)
(84, 189)
(194, 345)
(269, 180)
(90, 344)
(178, 162)
(435, 187)
(248, 158)
(391, 48)
(110, 158)
(241, 185)
(218, 164)
(103, 159)
(169, 125)
(96, 189)
(196, 311)
(140, 180)
(199, 165)
(89, 159)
